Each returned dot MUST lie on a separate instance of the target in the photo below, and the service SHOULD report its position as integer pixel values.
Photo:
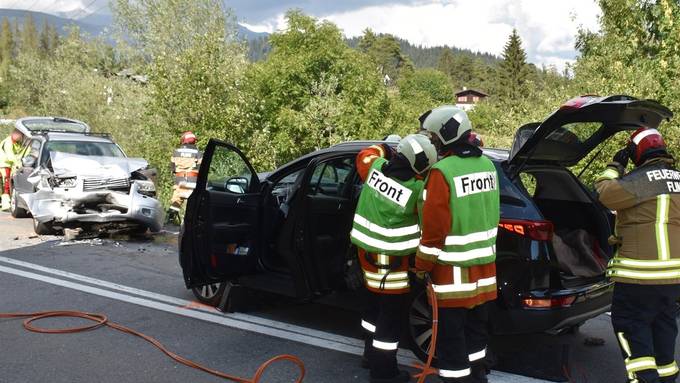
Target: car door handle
(240, 201)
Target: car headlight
(70, 182)
(146, 186)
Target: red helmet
(188, 138)
(644, 142)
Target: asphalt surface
(139, 284)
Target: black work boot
(479, 373)
(400, 377)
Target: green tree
(29, 36)
(45, 45)
(6, 42)
(312, 91)
(513, 70)
(385, 51)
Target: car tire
(14, 208)
(418, 321)
(43, 228)
(211, 294)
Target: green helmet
(448, 122)
(419, 152)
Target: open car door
(221, 221)
(579, 126)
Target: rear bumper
(523, 320)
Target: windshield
(54, 125)
(84, 148)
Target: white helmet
(419, 152)
(448, 122)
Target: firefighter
(646, 267)
(386, 232)
(10, 155)
(460, 215)
(185, 163)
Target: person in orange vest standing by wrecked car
(387, 233)
(186, 161)
(460, 216)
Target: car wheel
(209, 294)
(44, 228)
(419, 323)
(14, 208)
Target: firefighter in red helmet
(646, 267)
(185, 163)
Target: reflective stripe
(643, 134)
(460, 287)
(461, 256)
(472, 237)
(648, 264)
(639, 364)
(624, 343)
(616, 272)
(429, 250)
(380, 149)
(416, 146)
(475, 356)
(396, 232)
(405, 245)
(387, 346)
(387, 285)
(454, 373)
(662, 207)
(399, 275)
(368, 326)
(608, 174)
(424, 194)
(667, 370)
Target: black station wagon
(287, 231)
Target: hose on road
(101, 320)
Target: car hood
(72, 165)
(580, 125)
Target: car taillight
(538, 230)
(546, 303)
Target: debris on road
(593, 342)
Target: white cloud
(547, 28)
(77, 8)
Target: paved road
(139, 284)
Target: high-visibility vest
(475, 211)
(187, 160)
(386, 220)
(10, 152)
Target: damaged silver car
(71, 178)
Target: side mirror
(28, 161)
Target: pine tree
(6, 42)
(45, 47)
(17, 36)
(54, 37)
(446, 62)
(513, 70)
(367, 41)
(29, 36)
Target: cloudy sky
(547, 27)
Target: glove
(389, 151)
(621, 157)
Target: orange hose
(101, 320)
(426, 368)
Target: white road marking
(234, 320)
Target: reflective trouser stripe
(662, 207)
(387, 285)
(368, 326)
(639, 364)
(475, 356)
(626, 349)
(386, 346)
(668, 369)
(393, 276)
(454, 373)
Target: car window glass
(83, 148)
(330, 177)
(228, 172)
(575, 133)
(529, 183)
(35, 148)
(284, 188)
